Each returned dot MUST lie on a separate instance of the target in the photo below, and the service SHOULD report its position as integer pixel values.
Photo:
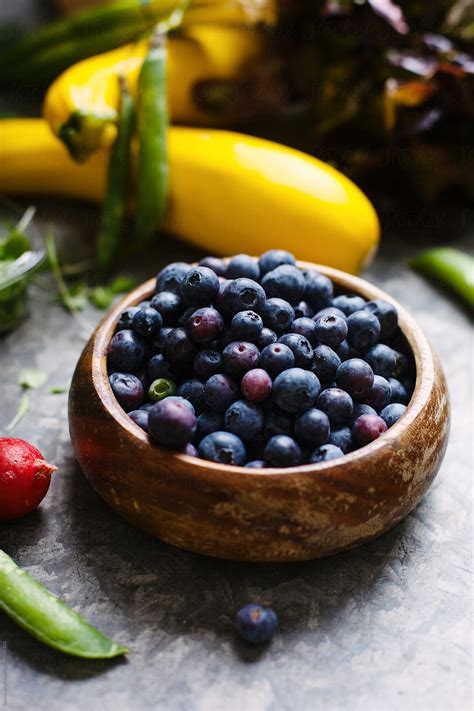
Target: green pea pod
(451, 267)
(152, 126)
(47, 618)
(113, 210)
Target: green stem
(451, 267)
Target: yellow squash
(81, 104)
(228, 192)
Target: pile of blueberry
(258, 363)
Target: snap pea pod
(47, 618)
(152, 128)
(451, 267)
(113, 210)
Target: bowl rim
(419, 345)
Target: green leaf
(23, 408)
(101, 297)
(32, 378)
(14, 245)
(122, 284)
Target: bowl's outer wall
(259, 515)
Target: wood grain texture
(259, 515)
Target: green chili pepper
(451, 267)
(47, 618)
(113, 210)
(152, 125)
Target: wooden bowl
(259, 515)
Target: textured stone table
(382, 627)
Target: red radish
(24, 478)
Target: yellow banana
(81, 104)
(228, 192)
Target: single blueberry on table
(128, 390)
(243, 266)
(161, 388)
(256, 385)
(126, 318)
(325, 363)
(277, 314)
(242, 295)
(255, 464)
(282, 451)
(220, 391)
(239, 357)
(303, 310)
(319, 290)
(306, 327)
(256, 624)
(266, 337)
(387, 315)
(275, 258)
(147, 322)
(296, 390)
(341, 437)
(325, 453)
(367, 428)
(169, 305)
(363, 330)
(158, 367)
(380, 393)
(399, 392)
(224, 448)
(276, 423)
(178, 347)
(205, 324)
(301, 347)
(356, 377)
(216, 264)
(276, 358)
(244, 419)
(285, 282)
(391, 413)
(337, 404)
(208, 422)
(330, 330)
(381, 359)
(126, 352)
(349, 304)
(170, 278)
(312, 428)
(207, 363)
(193, 390)
(140, 417)
(172, 423)
(199, 286)
(246, 326)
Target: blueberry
(356, 377)
(244, 419)
(224, 448)
(205, 324)
(276, 423)
(170, 278)
(330, 330)
(325, 363)
(399, 393)
(312, 428)
(216, 264)
(296, 390)
(190, 450)
(362, 409)
(208, 422)
(274, 258)
(266, 337)
(186, 315)
(169, 305)
(128, 390)
(306, 327)
(183, 401)
(243, 266)
(387, 315)
(140, 417)
(146, 407)
(193, 390)
(285, 282)
(222, 340)
(276, 358)
(147, 322)
(301, 347)
(303, 310)
(255, 464)
(349, 304)
(246, 326)
(239, 357)
(380, 393)
(325, 453)
(161, 388)
(242, 295)
(401, 365)
(126, 352)
(341, 437)
(144, 304)
(157, 343)
(344, 351)
(363, 330)
(256, 385)
(220, 391)
(278, 314)
(199, 287)
(381, 359)
(391, 413)
(367, 428)
(329, 311)
(171, 423)
(158, 367)
(337, 404)
(318, 290)
(255, 623)
(207, 363)
(178, 348)
(282, 451)
(126, 318)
